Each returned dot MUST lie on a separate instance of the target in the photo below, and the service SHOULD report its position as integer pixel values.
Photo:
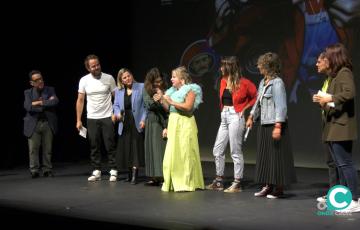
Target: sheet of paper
(83, 132)
(330, 104)
(321, 93)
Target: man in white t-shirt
(99, 88)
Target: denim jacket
(271, 100)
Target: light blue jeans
(231, 129)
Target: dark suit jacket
(32, 112)
(340, 122)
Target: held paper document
(330, 104)
(83, 132)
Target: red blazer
(242, 96)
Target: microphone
(246, 133)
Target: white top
(98, 95)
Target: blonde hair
(183, 74)
(120, 85)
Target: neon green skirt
(181, 165)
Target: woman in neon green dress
(181, 165)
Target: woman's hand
(168, 100)
(156, 97)
(249, 122)
(113, 118)
(164, 133)
(116, 117)
(276, 133)
(323, 99)
(142, 124)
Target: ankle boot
(129, 175)
(134, 176)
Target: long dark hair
(233, 70)
(338, 57)
(150, 78)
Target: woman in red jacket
(236, 95)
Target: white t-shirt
(98, 95)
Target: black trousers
(42, 136)
(101, 130)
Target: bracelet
(277, 125)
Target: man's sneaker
(264, 191)
(216, 185)
(321, 199)
(96, 176)
(353, 207)
(113, 175)
(235, 187)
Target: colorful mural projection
(297, 30)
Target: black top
(127, 101)
(227, 98)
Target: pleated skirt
(274, 159)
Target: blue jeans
(341, 153)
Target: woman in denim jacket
(274, 160)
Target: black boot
(134, 176)
(129, 175)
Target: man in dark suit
(40, 123)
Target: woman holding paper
(236, 95)
(339, 118)
(274, 160)
(322, 65)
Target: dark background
(55, 38)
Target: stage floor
(68, 201)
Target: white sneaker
(264, 191)
(321, 199)
(235, 187)
(113, 175)
(96, 176)
(353, 207)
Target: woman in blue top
(181, 166)
(130, 112)
(274, 160)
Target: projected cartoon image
(298, 30)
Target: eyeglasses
(38, 80)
